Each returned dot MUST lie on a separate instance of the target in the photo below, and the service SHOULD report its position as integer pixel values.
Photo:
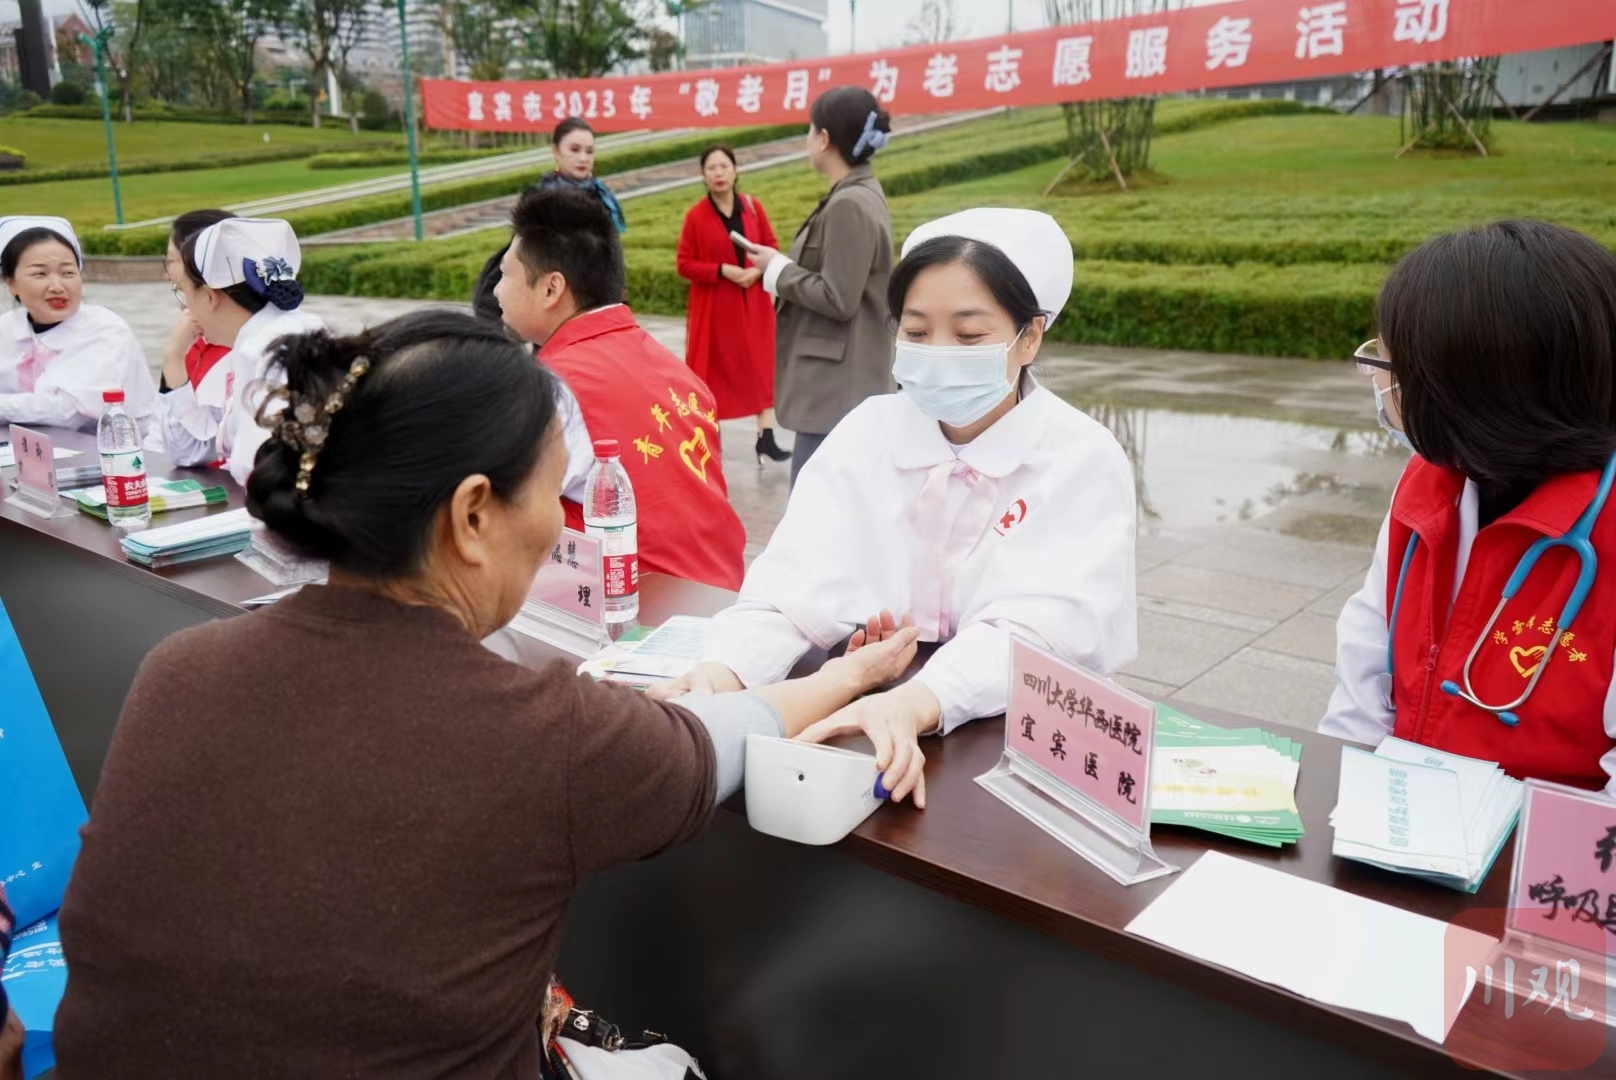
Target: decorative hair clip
(305, 425)
(260, 274)
(869, 137)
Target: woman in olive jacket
(833, 347)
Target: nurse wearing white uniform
(975, 500)
(57, 353)
(240, 286)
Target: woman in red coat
(729, 340)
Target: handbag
(41, 809)
(580, 1045)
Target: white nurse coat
(70, 366)
(247, 382)
(1027, 530)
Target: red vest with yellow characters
(1561, 733)
(631, 389)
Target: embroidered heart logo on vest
(1535, 654)
(695, 453)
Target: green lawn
(54, 144)
(88, 203)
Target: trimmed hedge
(393, 155)
(1300, 311)
(286, 117)
(138, 168)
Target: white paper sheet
(1316, 941)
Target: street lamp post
(852, 26)
(409, 121)
(98, 42)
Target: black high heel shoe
(767, 448)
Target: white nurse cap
(1033, 241)
(10, 227)
(256, 252)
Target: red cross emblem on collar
(1013, 516)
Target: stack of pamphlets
(165, 495)
(645, 659)
(1238, 782)
(204, 538)
(1415, 810)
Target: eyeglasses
(179, 295)
(1369, 358)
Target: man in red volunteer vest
(1496, 365)
(561, 288)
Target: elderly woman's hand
(708, 678)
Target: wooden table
(959, 941)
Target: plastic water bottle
(609, 514)
(123, 464)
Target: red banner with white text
(1235, 44)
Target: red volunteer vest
(1561, 735)
(633, 390)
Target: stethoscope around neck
(1577, 538)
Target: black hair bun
(273, 498)
(286, 295)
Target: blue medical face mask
(1385, 422)
(954, 384)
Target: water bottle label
(124, 477)
(622, 575)
(620, 558)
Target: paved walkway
(1261, 485)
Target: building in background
(733, 33)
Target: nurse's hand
(180, 337)
(894, 722)
(706, 678)
(878, 628)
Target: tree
(935, 24)
(482, 35)
(580, 39)
(663, 49)
(1108, 138)
(129, 21)
(227, 32)
(327, 31)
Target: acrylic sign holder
(1565, 864)
(1073, 742)
(35, 489)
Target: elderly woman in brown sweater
(344, 844)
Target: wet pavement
(1261, 487)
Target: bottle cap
(607, 448)
(111, 396)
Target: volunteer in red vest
(561, 288)
(1487, 624)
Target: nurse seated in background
(239, 283)
(189, 358)
(975, 500)
(57, 353)
(1487, 624)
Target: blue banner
(41, 810)
(34, 977)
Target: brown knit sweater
(336, 838)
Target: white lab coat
(248, 382)
(1032, 523)
(1360, 708)
(188, 416)
(90, 352)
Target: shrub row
(138, 167)
(394, 155)
(1314, 310)
(288, 117)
